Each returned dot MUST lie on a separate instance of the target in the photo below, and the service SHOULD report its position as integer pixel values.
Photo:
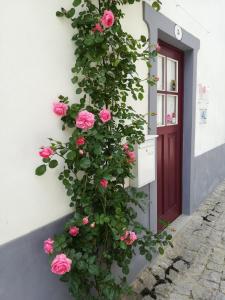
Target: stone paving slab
(195, 267)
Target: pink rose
(61, 264)
(85, 120)
(131, 156)
(85, 220)
(48, 246)
(46, 152)
(60, 109)
(125, 147)
(156, 78)
(74, 231)
(80, 141)
(157, 48)
(104, 183)
(108, 18)
(98, 28)
(129, 237)
(105, 115)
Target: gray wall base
(24, 268)
(209, 171)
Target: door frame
(162, 28)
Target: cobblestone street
(195, 267)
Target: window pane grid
(167, 92)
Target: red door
(169, 130)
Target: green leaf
(125, 270)
(79, 91)
(123, 245)
(85, 163)
(89, 40)
(161, 250)
(53, 163)
(148, 256)
(71, 155)
(169, 237)
(74, 79)
(70, 13)
(93, 270)
(59, 14)
(40, 170)
(76, 3)
(143, 38)
(46, 160)
(140, 96)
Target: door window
(167, 96)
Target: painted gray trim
(160, 27)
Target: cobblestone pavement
(195, 267)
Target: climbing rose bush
(98, 156)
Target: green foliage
(40, 170)
(104, 74)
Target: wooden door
(169, 130)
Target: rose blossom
(85, 120)
(74, 231)
(156, 78)
(98, 28)
(131, 156)
(104, 183)
(46, 152)
(80, 141)
(85, 220)
(60, 109)
(129, 237)
(61, 264)
(105, 115)
(48, 246)
(108, 18)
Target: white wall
(36, 55)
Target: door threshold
(177, 224)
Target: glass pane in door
(172, 78)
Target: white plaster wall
(36, 55)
